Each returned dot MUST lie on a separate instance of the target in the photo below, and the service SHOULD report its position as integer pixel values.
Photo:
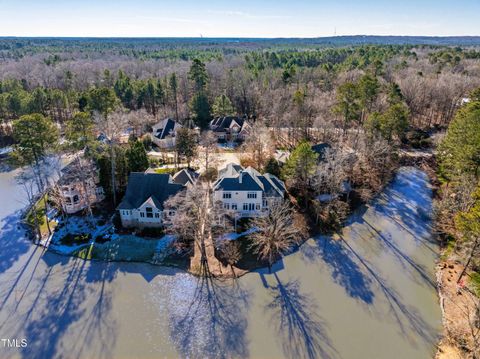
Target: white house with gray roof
(164, 133)
(247, 192)
(142, 205)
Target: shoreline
(313, 231)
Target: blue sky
(246, 18)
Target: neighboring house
(79, 186)
(164, 132)
(320, 149)
(230, 129)
(247, 192)
(281, 156)
(185, 177)
(142, 205)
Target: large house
(79, 186)
(164, 133)
(230, 129)
(142, 205)
(246, 192)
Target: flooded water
(369, 293)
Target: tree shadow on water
(295, 316)
(408, 319)
(345, 271)
(63, 322)
(213, 324)
(13, 243)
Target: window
(68, 200)
(142, 214)
(257, 207)
(249, 206)
(149, 211)
(157, 215)
(75, 199)
(226, 205)
(252, 195)
(227, 195)
(234, 206)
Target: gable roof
(230, 170)
(225, 124)
(185, 176)
(250, 179)
(153, 187)
(165, 128)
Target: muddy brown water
(365, 293)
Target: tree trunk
(469, 260)
(113, 168)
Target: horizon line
(229, 37)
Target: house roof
(153, 187)
(224, 124)
(75, 171)
(320, 149)
(249, 179)
(231, 170)
(165, 128)
(185, 176)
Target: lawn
(39, 210)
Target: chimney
(240, 177)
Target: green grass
(165, 170)
(125, 248)
(39, 210)
(474, 283)
(449, 248)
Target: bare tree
(231, 253)
(112, 126)
(196, 221)
(275, 234)
(208, 152)
(259, 146)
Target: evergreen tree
(137, 160)
(200, 108)
(459, 152)
(186, 144)
(173, 84)
(198, 74)
(222, 106)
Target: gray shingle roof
(185, 176)
(165, 128)
(320, 149)
(231, 170)
(222, 124)
(143, 186)
(250, 180)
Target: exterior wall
(168, 142)
(139, 218)
(239, 198)
(75, 196)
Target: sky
(245, 18)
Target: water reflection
(300, 328)
(214, 323)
